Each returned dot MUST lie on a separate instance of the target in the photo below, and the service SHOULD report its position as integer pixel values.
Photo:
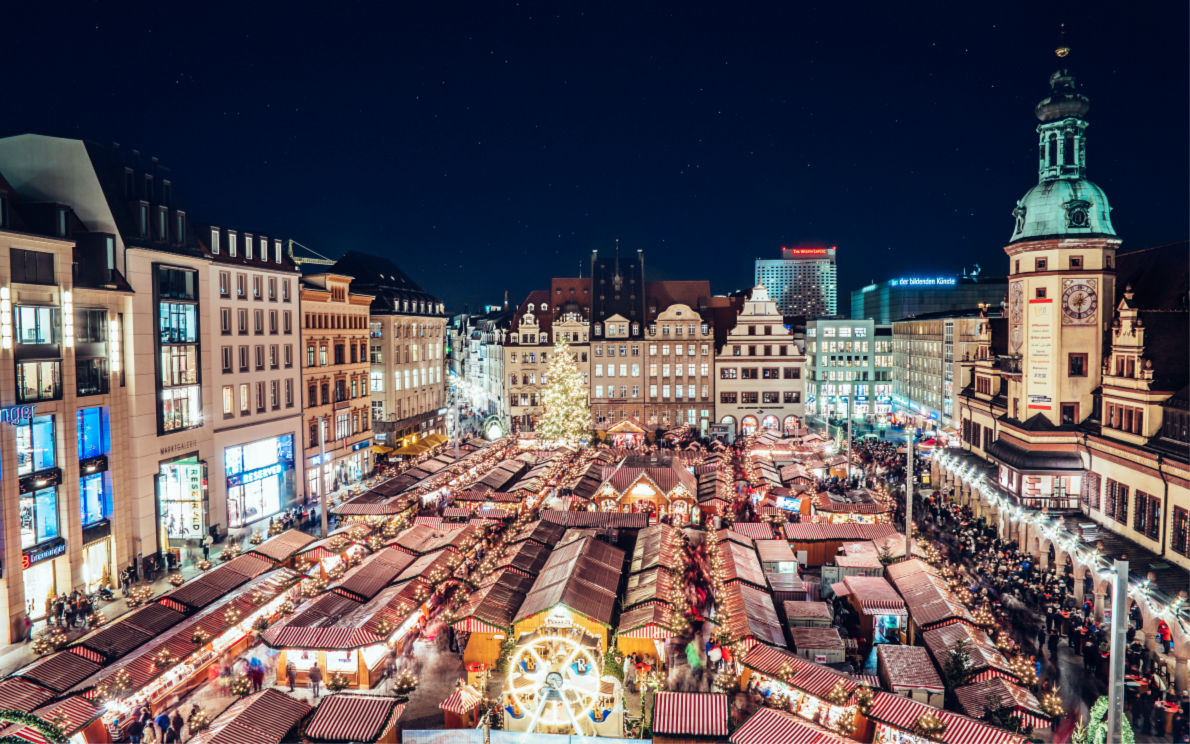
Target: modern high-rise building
(846, 358)
(803, 281)
(915, 296)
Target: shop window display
(39, 516)
(35, 445)
(181, 491)
(260, 479)
(94, 434)
(95, 498)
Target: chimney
(506, 299)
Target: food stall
(857, 506)
(460, 710)
(900, 720)
(488, 612)
(975, 698)
(986, 659)
(355, 719)
(679, 717)
(79, 719)
(645, 629)
(768, 726)
(882, 612)
(786, 681)
(265, 717)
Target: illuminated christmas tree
(566, 415)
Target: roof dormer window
(231, 243)
(248, 246)
(214, 241)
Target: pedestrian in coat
(291, 674)
(315, 679)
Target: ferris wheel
(554, 682)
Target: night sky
(489, 146)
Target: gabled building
(617, 320)
(406, 350)
(679, 356)
(526, 355)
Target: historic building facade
(679, 356)
(617, 319)
(932, 357)
(526, 355)
(759, 371)
(335, 378)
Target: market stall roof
(21, 694)
(492, 606)
(983, 652)
(482, 495)
(583, 574)
(654, 620)
(463, 700)
(503, 474)
(542, 531)
(775, 551)
(741, 563)
(855, 501)
(596, 519)
(815, 532)
(425, 566)
(652, 585)
(374, 503)
(816, 638)
(807, 676)
(263, 718)
(526, 557)
(374, 573)
(421, 539)
(353, 718)
(729, 534)
(808, 611)
(929, 601)
(903, 713)
(875, 595)
(907, 668)
(60, 671)
(754, 530)
(74, 712)
(771, 726)
(785, 583)
(213, 584)
(751, 614)
(975, 698)
(690, 714)
(282, 547)
(654, 547)
(899, 570)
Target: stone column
(1181, 673)
(1099, 598)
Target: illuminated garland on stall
(54, 731)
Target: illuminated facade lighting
(67, 320)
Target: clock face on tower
(1080, 299)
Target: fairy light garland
(1092, 559)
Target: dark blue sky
(488, 146)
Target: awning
(883, 607)
(770, 726)
(380, 449)
(690, 714)
(322, 639)
(353, 717)
(461, 701)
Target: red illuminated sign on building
(805, 251)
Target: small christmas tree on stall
(566, 415)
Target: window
(747, 373)
(243, 324)
(288, 393)
(256, 282)
(1040, 293)
(94, 433)
(792, 373)
(748, 397)
(259, 358)
(35, 445)
(792, 396)
(245, 399)
(241, 286)
(258, 321)
(95, 498)
(215, 242)
(285, 291)
(39, 381)
(39, 516)
(1116, 501)
(288, 325)
(181, 408)
(224, 284)
(1077, 366)
(1147, 515)
(225, 321)
(727, 373)
(260, 397)
(1040, 264)
(91, 376)
(179, 365)
(770, 397)
(32, 267)
(229, 401)
(1180, 537)
(288, 355)
(273, 357)
(1076, 262)
(771, 373)
(37, 325)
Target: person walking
(162, 725)
(315, 679)
(176, 722)
(291, 674)
(28, 628)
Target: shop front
(260, 478)
(39, 574)
(182, 501)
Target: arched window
(1053, 153)
(1068, 149)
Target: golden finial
(1062, 51)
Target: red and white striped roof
(902, 713)
(770, 726)
(690, 714)
(808, 676)
(324, 639)
(461, 701)
(263, 718)
(353, 717)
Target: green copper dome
(1063, 204)
(1063, 208)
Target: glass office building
(908, 297)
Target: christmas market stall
(281, 548)
(817, 544)
(823, 645)
(857, 506)
(927, 596)
(750, 615)
(460, 710)
(684, 717)
(900, 720)
(775, 555)
(809, 690)
(808, 614)
(1021, 704)
(771, 726)
(881, 610)
(907, 670)
(984, 659)
(658, 485)
(349, 640)
(487, 614)
(645, 629)
(265, 717)
(355, 719)
(627, 434)
(76, 718)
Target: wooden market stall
(776, 556)
(908, 671)
(814, 692)
(896, 720)
(882, 612)
(265, 717)
(684, 717)
(644, 629)
(487, 615)
(658, 485)
(460, 710)
(751, 615)
(355, 719)
(79, 718)
(975, 698)
(769, 725)
(817, 544)
(808, 614)
(986, 659)
(857, 506)
(927, 597)
(823, 645)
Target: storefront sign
(43, 552)
(17, 414)
(923, 281)
(253, 476)
(558, 618)
(360, 445)
(180, 447)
